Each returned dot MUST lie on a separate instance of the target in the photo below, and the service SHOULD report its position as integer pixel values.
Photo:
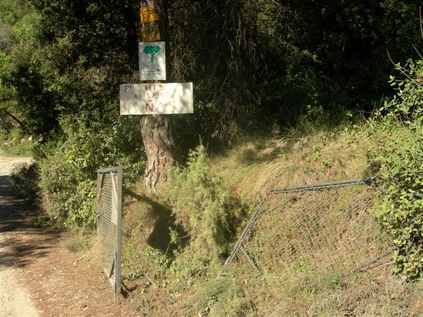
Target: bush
(407, 104)
(207, 212)
(222, 296)
(24, 180)
(400, 157)
(68, 170)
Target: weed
(77, 241)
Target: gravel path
(14, 300)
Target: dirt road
(57, 281)
(14, 299)
(8, 163)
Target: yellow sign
(149, 14)
(150, 32)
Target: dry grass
(309, 247)
(77, 241)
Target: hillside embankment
(309, 254)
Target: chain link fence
(331, 232)
(109, 223)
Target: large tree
(253, 62)
(156, 129)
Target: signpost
(150, 99)
(148, 12)
(152, 60)
(150, 21)
(153, 99)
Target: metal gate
(109, 223)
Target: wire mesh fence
(109, 223)
(336, 233)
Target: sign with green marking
(152, 49)
(152, 58)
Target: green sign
(152, 49)
(152, 60)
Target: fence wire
(109, 223)
(335, 233)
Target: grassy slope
(309, 247)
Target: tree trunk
(159, 145)
(156, 131)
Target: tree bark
(155, 129)
(159, 148)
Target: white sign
(170, 98)
(152, 60)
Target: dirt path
(7, 163)
(56, 281)
(14, 300)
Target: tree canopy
(252, 61)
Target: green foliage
(400, 156)
(24, 181)
(220, 297)
(407, 104)
(401, 208)
(26, 29)
(257, 58)
(68, 59)
(68, 170)
(206, 210)
(11, 11)
(6, 92)
(16, 143)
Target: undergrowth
(312, 250)
(16, 143)
(398, 153)
(68, 168)
(207, 212)
(24, 181)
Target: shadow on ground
(21, 242)
(164, 223)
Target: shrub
(400, 157)
(222, 296)
(206, 210)
(24, 182)
(407, 104)
(400, 210)
(68, 170)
